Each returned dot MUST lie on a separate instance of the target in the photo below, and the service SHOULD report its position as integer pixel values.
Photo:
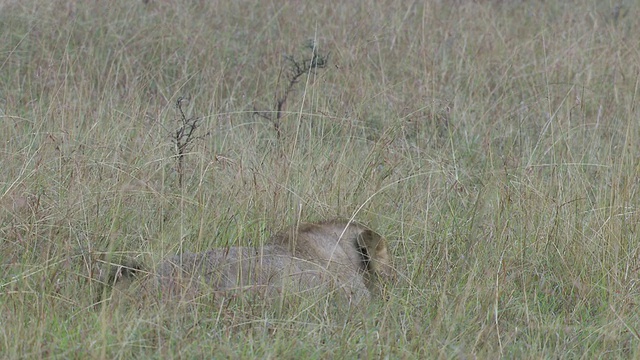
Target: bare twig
(297, 68)
(184, 136)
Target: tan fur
(331, 257)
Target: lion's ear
(369, 240)
(376, 248)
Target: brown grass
(494, 143)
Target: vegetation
(494, 143)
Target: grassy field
(495, 144)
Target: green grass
(494, 143)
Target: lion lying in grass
(331, 257)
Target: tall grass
(494, 143)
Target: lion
(337, 256)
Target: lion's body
(331, 257)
